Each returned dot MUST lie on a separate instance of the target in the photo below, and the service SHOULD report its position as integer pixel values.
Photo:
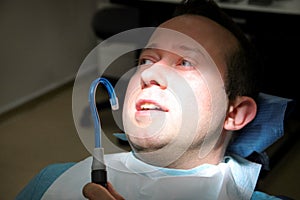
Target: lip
(148, 101)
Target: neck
(188, 160)
(192, 159)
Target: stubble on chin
(145, 146)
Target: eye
(144, 61)
(186, 63)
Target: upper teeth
(148, 106)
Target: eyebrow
(182, 47)
(190, 49)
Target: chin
(146, 144)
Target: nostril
(143, 84)
(146, 84)
(153, 82)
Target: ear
(241, 111)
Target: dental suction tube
(92, 100)
(98, 173)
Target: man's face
(176, 98)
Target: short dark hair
(243, 65)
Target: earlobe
(240, 113)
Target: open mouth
(144, 105)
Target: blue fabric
(121, 136)
(35, 189)
(257, 195)
(265, 129)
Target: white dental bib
(235, 178)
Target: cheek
(212, 103)
(134, 83)
(203, 99)
(201, 91)
(130, 97)
(204, 110)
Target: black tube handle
(99, 176)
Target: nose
(154, 75)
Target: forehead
(214, 38)
(175, 42)
(200, 28)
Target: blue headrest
(264, 130)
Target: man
(195, 85)
(150, 89)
